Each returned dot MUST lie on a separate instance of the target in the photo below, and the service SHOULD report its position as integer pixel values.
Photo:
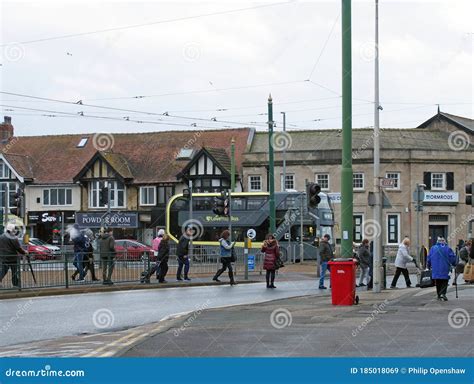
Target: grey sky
(425, 59)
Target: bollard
(384, 264)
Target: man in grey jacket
(326, 254)
(106, 245)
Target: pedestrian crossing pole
(271, 167)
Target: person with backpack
(440, 260)
(463, 260)
(271, 249)
(226, 249)
(403, 257)
(363, 255)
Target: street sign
(251, 233)
(251, 262)
(387, 183)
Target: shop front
(46, 225)
(124, 224)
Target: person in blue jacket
(440, 260)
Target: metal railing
(59, 272)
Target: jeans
(364, 273)
(324, 268)
(79, 264)
(107, 264)
(397, 275)
(15, 272)
(182, 261)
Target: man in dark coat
(326, 254)
(9, 249)
(363, 255)
(182, 251)
(106, 245)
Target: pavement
(403, 322)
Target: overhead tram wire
(133, 26)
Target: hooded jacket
(440, 259)
(272, 252)
(10, 247)
(403, 257)
(325, 251)
(363, 255)
(106, 245)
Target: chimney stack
(6, 129)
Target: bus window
(238, 204)
(255, 203)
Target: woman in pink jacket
(272, 253)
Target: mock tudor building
(438, 153)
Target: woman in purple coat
(272, 253)
(440, 260)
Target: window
(147, 196)
(4, 171)
(289, 182)
(164, 194)
(323, 180)
(255, 183)
(185, 153)
(438, 181)
(57, 196)
(358, 227)
(395, 176)
(393, 228)
(83, 142)
(117, 194)
(358, 181)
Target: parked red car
(132, 250)
(38, 252)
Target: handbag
(278, 263)
(426, 281)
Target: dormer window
(185, 153)
(82, 143)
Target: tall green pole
(232, 165)
(271, 170)
(346, 172)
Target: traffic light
(469, 193)
(221, 205)
(312, 193)
(17, 203)
(104, 196)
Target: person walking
(440, 260)
(106, 245)
(156, 245)
(9, 249)
(226, 248)
(272, 253)
(363, 255)
(163, 256)
(326, 254)
(79, 240)
(462, 260)
(182, 251)
(403, 257)
(88, 257)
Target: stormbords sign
(109, 220)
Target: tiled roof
(331, 139)
(150, 157)
(22, 164)
(464, 121)
(221, 156)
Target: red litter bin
(343, 282)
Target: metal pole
(271, 165)
(346, 171)
(63, 253)
(283, 187)
(232, 165)
(230, 217)
(246, 258)
(378, 249)
(301, 229)
(417, 207)
(190, 248)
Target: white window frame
(362, 234)
(398, 179)
(57, 197)
(114, 204)
(316, 178)
(363, 181)
(8, 192)
(147, 195)
(250, 183)
(443, 188)
(6, 174)
(387, 226)
(283, 182)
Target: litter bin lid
(343, 259)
